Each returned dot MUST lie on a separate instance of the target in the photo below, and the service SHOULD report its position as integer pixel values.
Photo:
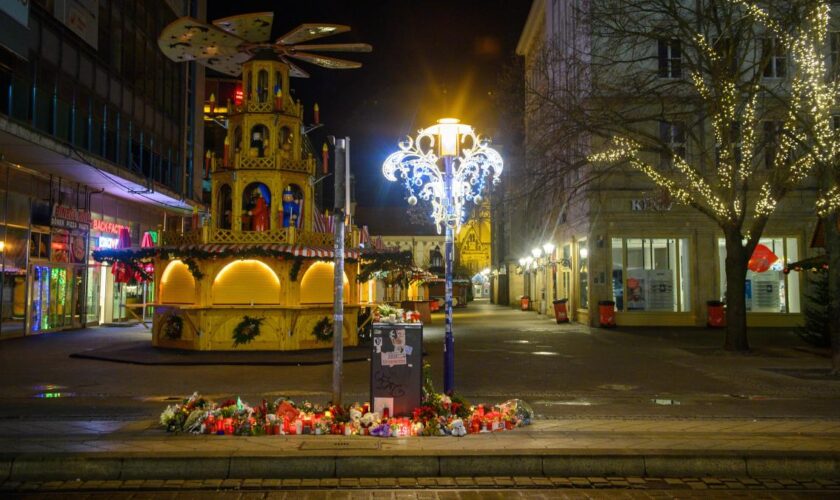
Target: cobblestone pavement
(431, 488)
(564, 371)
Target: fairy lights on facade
(807, 139)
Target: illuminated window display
(767, 289)
(651, 274)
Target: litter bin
(715, 314)
(606, 313)
(560, 313)
(525, 303)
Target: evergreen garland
(246, 330)
(323, 330)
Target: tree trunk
(832, 247)
(736, 304)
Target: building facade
(621, 239)
(98, 132)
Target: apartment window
(768, 289)
(834, 54)
(772, 130)
(672, 136)
(670, 58)
(651, 274)
(775, 55)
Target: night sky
(430, 59)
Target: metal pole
(449, 340)
(341, 164)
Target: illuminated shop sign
(108, 242)
(70, 218)
(107, 227)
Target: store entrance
(56, 297)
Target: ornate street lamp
(468, 160)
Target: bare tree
(711, 100)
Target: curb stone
(711, 466)
(242, 467)
(66, 468)
(174, 468)
(491, 465)
(392, 466)
(571, 466)
(814, 467)
(91, 467)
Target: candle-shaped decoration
(317, 114)
(226, 153)
(278, 99)
(212, 102)
(325, 158)
(385, 413)
(195, 217)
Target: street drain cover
(348, 444)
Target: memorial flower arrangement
(440, 416)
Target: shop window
(651, 274)
(583, 274)
(316, 286)
(767, 288)
(246, 282)
(177, 284)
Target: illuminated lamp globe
(412, 200)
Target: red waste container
(606, 313)
(715, 314)
(525, 303)
(560, 313)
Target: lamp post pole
(449, 339)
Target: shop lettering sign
(70, 218)
(650, 205)
(106, 227)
